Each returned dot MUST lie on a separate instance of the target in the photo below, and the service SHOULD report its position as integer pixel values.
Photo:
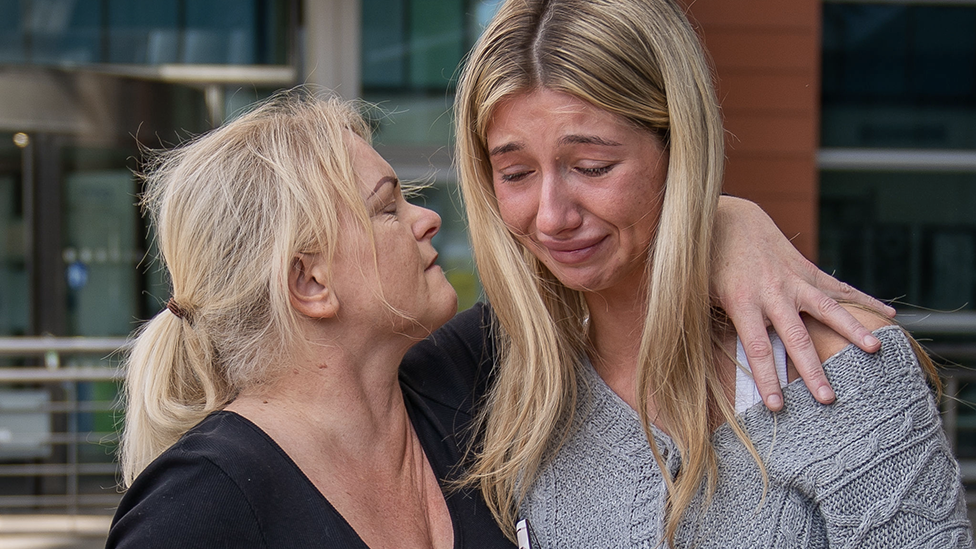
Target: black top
(227, 484)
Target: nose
(426, 224)
(557, 210)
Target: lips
(572, 252)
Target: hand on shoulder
(828, 342)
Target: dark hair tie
(177, 311)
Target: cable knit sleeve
(876, 465)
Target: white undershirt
(746, 393)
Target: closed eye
(514, 177)
(596, 172)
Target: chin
(440, 308)
(448, 311)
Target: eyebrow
(587, 140)
(506, 148)
(383, 181)
(574, 139)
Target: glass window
(221, 31)
(899, 76)
(101, 252)
(12, 48)
(384, 44)
(411, 52)
(415, 45)
(64, 31)
(134, 31)
(908, 236)
(143, 32)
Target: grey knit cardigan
(873, 470)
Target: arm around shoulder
(828, 342)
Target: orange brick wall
(767, 59)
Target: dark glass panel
(899, 76)
(65, 31)
(13, 268)
(384, 50)
(901, 235)
(12, 36)
(143, 32)
(220, 31)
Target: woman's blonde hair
(231, 209)
(640, 60)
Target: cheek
(513, 210)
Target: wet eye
(514, 177)
(595, 172)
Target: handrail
(920, 322)
(70, 373)
(11, 346)
(61, 428)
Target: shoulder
(452, 366)
(225, 484)
(883, 402)
(828, 342)
(879, 446)
(175, 497)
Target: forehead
(543, 112)
(545, 118)
(369, 166)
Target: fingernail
(825, 394)
(871, 341)
(774, 401)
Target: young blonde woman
(264, 407)
(590, 147)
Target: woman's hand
(759, 278)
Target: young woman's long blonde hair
(230, 209)
(641, 60)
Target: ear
(308, 290)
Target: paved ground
(53, 532)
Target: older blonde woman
(264, 408)
(591, 148)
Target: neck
(337, 405)
(344, 423)
(615, 331)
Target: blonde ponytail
(170, 387)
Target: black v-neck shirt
(228, 484)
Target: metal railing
(58, 419)
(950, 338)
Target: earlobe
(308, 288)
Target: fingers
(751, 329)
(845, 292)
(832, 314)
(799, 346)
(783, 314)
